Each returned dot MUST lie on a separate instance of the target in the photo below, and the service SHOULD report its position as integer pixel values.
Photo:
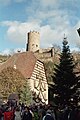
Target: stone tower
(33, 41)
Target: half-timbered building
(33, 70)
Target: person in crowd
(1, 114)
(34, 110)
(17, 114)
(48, 115)
(41, 112)
(66, 112)
(26, 114)
(78, 113)
(73, 114)
(53, 112)
(8, 114)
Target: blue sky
(52, 18)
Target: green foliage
(65, 80)
(36, 117)
(25, 95)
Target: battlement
(34, 32)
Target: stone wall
(49, 54)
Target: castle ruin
(33, 44)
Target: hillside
(3, 58)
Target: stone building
(33, 41)
(33, 44)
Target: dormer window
(14, 66)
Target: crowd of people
(38, 112)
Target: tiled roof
(24, 62)
(13, 97)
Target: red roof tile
(24, 62)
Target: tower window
(36, 45)
(32, 44)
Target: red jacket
(8, 115)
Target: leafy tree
(26, 95)
(65, 80)
(11, 81)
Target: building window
(37, 76)
(14, 66)
(36, 45)
(37, 65)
